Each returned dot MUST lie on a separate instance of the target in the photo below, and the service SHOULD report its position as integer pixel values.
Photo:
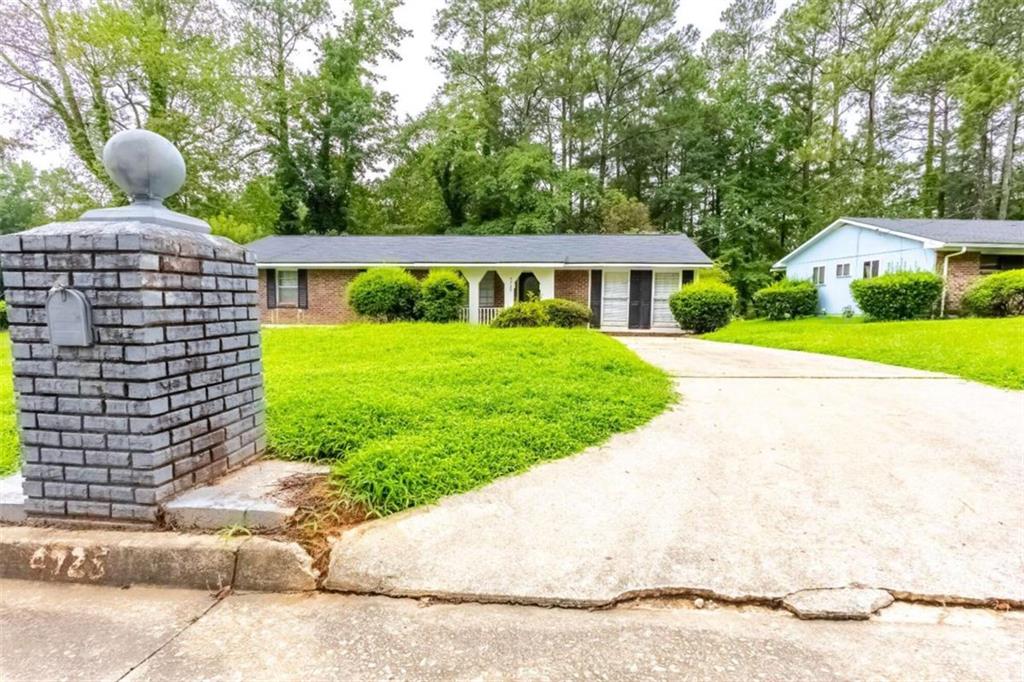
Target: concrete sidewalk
(74, 632)
(777, 472)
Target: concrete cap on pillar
(149, 169)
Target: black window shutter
(271, 289)
(687, 277)
(595, 298)
(303, 289)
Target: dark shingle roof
(949, 231)
(582, 249)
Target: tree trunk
(940, 199)
(833, 144)
(928, 181)
(1007, 175)
(980, 189)
(870, 174)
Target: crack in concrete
(216, 602)
(222, 593)
(772, 602)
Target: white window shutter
(616, 299)
(665, 284)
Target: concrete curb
(118, 558)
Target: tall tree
(883, 37)
(346, 115)
(272, 32)
(159, 64)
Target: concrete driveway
(776, 472)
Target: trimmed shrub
(385, 294)
(898, 296)
(524, 314)
(565, 313)
(442, 296)
(3, 315)
(703, 306)
(787, 299)
(998, 295)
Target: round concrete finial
(145, 165)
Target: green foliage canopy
(442, 296)
(703, 306)
(997, 295)
(898, 296)
(384, 294)
(787, 299)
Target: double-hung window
(991, 262)
(870, 269)
(287, 287)
(842, 270)
(818, 275)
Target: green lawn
(413, 412)
(986, 350)
(8, 423)
(409, 413)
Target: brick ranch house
(960, 251)
(626, 280)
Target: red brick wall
(326, 296)
(573, 285)
(327, 304)
(963, 270)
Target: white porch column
(473, 277)
(508, 281)
(546, 277)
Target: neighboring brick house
(960, 251)
(625, 279)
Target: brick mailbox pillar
(163, 389)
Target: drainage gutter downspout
(945, 278)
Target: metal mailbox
(68, 317)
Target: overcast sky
(412, 79)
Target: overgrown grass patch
(8, 423)
(410, 413)
(986, 350)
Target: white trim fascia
(970, 245)
(489, 266)
(781, 263)
(927, 243)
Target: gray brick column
(170, 392)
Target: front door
(640, 299)
(529, 287)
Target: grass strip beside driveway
(9, 455)
(409, 413)
(987, 350)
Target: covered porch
(493, 289)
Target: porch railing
(486, 314)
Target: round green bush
(998, 295)
(526, 314)
(565, 313)
(385, 294)
(787, 299)
(898, 296)
(442, 296)
(703, 306)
